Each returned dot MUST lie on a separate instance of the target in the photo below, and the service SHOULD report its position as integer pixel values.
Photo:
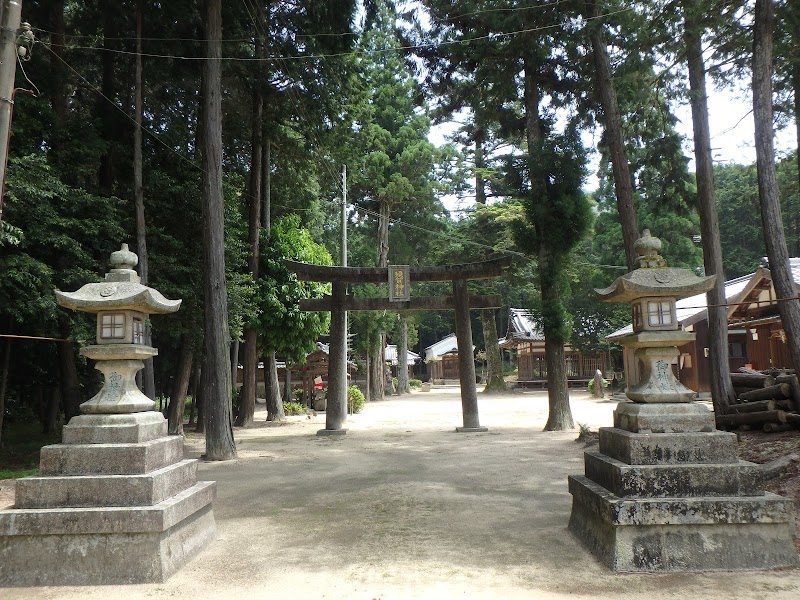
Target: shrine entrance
(399, 280)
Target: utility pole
(9, 28)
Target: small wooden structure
(526, 336)
(442, 359)
(412, 358)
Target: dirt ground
(403, 507)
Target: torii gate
(399, 279)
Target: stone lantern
(666, 491)
(652, 291)
(122, 305)
(116, 502)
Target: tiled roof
(694, 308)
(521, 328)
(391, 355)
(442, 347)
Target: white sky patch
(732, 138)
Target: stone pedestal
(115, 503)
(666, 492)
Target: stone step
(668, 448)
(702, 510)
(682, 534)
(118, 519)
(110, 459)
(115, 429)
(102, 546)
(661, 481)
(106, 490)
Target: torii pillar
(339, 302)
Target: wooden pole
(466, 364)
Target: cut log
(791, 380)
(793, 418)
(779, 391)
(751, 380)
(759, 405)
(754, 418)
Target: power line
(491, 36)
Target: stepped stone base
(104, 512)
(677, 500)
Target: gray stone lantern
(122, 305)
(116, 502)
(666, 491)
(652, 291)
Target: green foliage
(414, 383)
(293, 408)
(590, 387)
(355, 400)
(283, 327)
(558, 216)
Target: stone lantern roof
(121, 290)
(654, 278)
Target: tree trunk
(403, 386)
(247, 399)
(70, 384)
(105, 178)
(272, 389)
(721, 387)
(148, 374)
(220, 444)
(494, 361)
(480, 139)
(368, 375)
(377, 373)
(795, 33)
(466, 360)
(378, 357)
(194, 390)
(50, 411)
(612, 122)
(180, 386)
(4, 382)
(560, 414)
(287, 384)
(788, 308)
(383, 235)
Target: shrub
(293, 408)
(355, 399)
(590, 387)
(414, 383)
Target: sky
(732, 138)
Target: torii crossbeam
(339, 302)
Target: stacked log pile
(769, 400)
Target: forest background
(111, 126)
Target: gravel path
(402, 507)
